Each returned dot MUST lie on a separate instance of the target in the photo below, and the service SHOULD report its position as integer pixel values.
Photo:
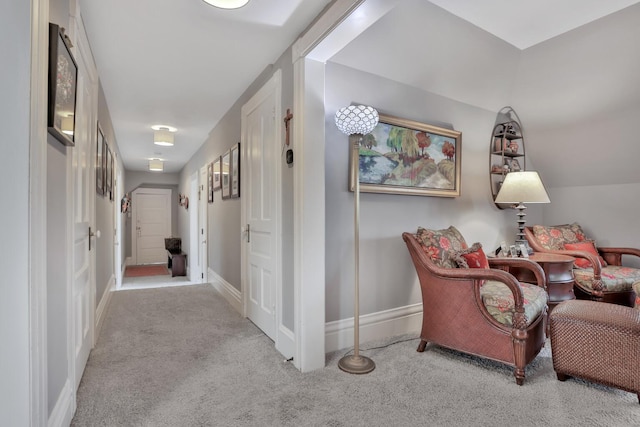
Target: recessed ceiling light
(156, 165)
(227, 4)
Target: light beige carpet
(183, 357)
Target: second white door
(151, 224)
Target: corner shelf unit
(507, 150)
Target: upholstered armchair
(598, 271)
(481, 311)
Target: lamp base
(356, 364)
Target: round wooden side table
(558, 270)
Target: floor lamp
(356, 120)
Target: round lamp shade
(356, 119)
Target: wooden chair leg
(561, 377)
(422, 346)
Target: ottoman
(598, 342)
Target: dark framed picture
(225, 163)
(210, 182)
(99, 163)
(235, 171)
(405, 157)
(217, 175)
(108, 174)
(113, 177)
(63, 80)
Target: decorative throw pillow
(438, 244)
(553, 237)
(587, 246)
(472, 257)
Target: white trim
(38, 405)
(62, 413)
(203, 242)
(374, 326)
(324, 25)
(309, 215)
(193, 267)
(101, 310)
(127, 261)
(231, 294)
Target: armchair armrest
(613, 255)
(522, 263)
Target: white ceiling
(185, 63)
(524, 23)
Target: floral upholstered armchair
(598, 271)
(473, 308)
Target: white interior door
(83, 193)
(202, 223)
(151, 224)
(261, 252)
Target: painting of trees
(449, 150)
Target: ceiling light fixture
(163, 135)
(156, 165)
(227, 4)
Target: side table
(559, 272)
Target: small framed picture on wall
(225, 163)
(235, 171)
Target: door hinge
(202, 275)
(248, 233)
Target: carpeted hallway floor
(181, 356)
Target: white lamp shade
(163, 137)
(522, 187)
(356, 119)
(156, 165)
(227, 4)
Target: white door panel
(152, 219)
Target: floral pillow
(553, 237)
(439, 244)
(473, 257)
(586, 246)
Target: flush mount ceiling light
(163, 135)
(227, 4)
(156, 165)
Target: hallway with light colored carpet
(181, 356)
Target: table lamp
(519, 188)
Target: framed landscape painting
(405, 157)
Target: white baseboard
(65, 407)
(374, 326)
(231, 294)
(102, 306)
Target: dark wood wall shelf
(507, 150)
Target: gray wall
(15, 49)
(387, 277)
(224, 235)
(106, 209)
(137, 179)
(580, 93)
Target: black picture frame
(63, 82)
(100, 143)
(235, 171)
(225, 163)
(210, 182)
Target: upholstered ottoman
(597, 341)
